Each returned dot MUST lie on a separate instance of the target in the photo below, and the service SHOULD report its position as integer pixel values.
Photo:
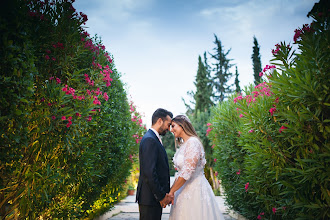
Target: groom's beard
(163, 132)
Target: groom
(154, 181)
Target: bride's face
(176, 130)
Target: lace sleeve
(191, 157)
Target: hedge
(66, 130)
(272, 146)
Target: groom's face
(165, 126)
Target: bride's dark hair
(184, 122)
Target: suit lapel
(162, 147)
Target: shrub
(65, 124)
(272, 145)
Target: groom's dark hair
(160, 113)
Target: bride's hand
(171, 196)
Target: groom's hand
(163, 201)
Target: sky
(156, 43)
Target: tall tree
(221, 69)
(238, 88)
(256, 61)
(203, 85)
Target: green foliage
(65, 127)
(203, 85)
(221, 69)
(238, 88)
(256, 61)
(272, 145)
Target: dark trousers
(148, 212)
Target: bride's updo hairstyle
(184, 122)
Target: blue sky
(156, 43)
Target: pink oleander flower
(89, 118)
(274, 210)
(70, 118)
(47, 57)
(69, 124)
(78, 114)
(282, 128)
(247, 186)
(53, 117)
(259, 217)
(98, 92)
(272, 110)
(215, 159)
(261, 74)
(241, 115)
(64, 89)
(58, 81)
(105, 96)
(275, 51)
(208, 131)
(63, 118)
(269, 67)
(238, 172)
(262, 213)
(208, 124)
(251, 131)
(297, 35)
(238, 98)
(53, 58)
(96, 101)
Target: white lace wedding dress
(195, 200)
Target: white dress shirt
(157, 134)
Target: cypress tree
(221, 70)
(238, 88)
(256, 61)
(203, 88)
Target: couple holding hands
(191, 196)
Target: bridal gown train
(195, 200)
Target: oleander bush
(66, 130)
(272, 145)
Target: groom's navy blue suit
(154, 180)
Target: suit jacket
(154, 180)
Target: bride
(193, 195)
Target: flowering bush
(272, 144)
(65, 126)
(137, 131)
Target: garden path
(127, 209)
